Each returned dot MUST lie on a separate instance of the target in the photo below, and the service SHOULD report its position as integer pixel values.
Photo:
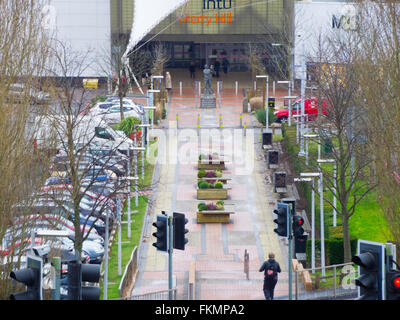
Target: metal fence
(157, 295)
(337, 282)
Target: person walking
(192, 68)
(168, 84)
(225, 65)
(217, 65)
(271, 269)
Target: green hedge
(334, 250)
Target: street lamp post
(334, 185)
(290, 97)
(311, 179)
(321, 210)
(303, 79)
(266, 99)
(309, 136)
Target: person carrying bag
(271, 269)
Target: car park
(53, 190)
(65, 210)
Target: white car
(101, 107)
(127, 103)
(113, 114)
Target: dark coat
(266, 264)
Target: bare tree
(23, 54)
(378, 30)
(77, 135)
(340, 118)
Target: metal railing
(157, 295)
(338, 282)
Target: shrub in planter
(220, 205)
(218, 173)
(203, 184)
(201, 173)
(211, 174)
(211, 206)
(201, 206)
(218, 185)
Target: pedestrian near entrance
(225, 65)
(168, 84)
(271, 269)
(217, 66)
(192, 69)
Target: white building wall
(315, 19)
(84, 26)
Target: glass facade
(206, 30)
(241, 17)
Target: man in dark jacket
(271, 269)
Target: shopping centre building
(205, 30)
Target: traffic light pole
(170, 250)
(290, 254)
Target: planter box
(215, 216)
(223, 179)
(212, 194)
(211, 164)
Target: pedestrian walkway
(218, 249)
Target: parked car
(88, 194)
(127, 102)
(113, 114)
(310, 109)
(56, 222)
(65, 210)
(18, 93)
(61, 162)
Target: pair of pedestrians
(271, 269)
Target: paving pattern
(218, 249)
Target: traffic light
(282, 220)
(368, 280)
(161, 234)
(297, 226)
(90, 273)
(31, 277)
(78, 273)
(180, 231)
(393, 285)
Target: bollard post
(198, 124)
(236, 87)
(199, 89)
(255, 85)
(218, 88)
(241, 120)
(244, 131)
(220, 121)
(180, 88)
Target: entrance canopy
(147, 15)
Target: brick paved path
(218, 249)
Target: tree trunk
(346, 238)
